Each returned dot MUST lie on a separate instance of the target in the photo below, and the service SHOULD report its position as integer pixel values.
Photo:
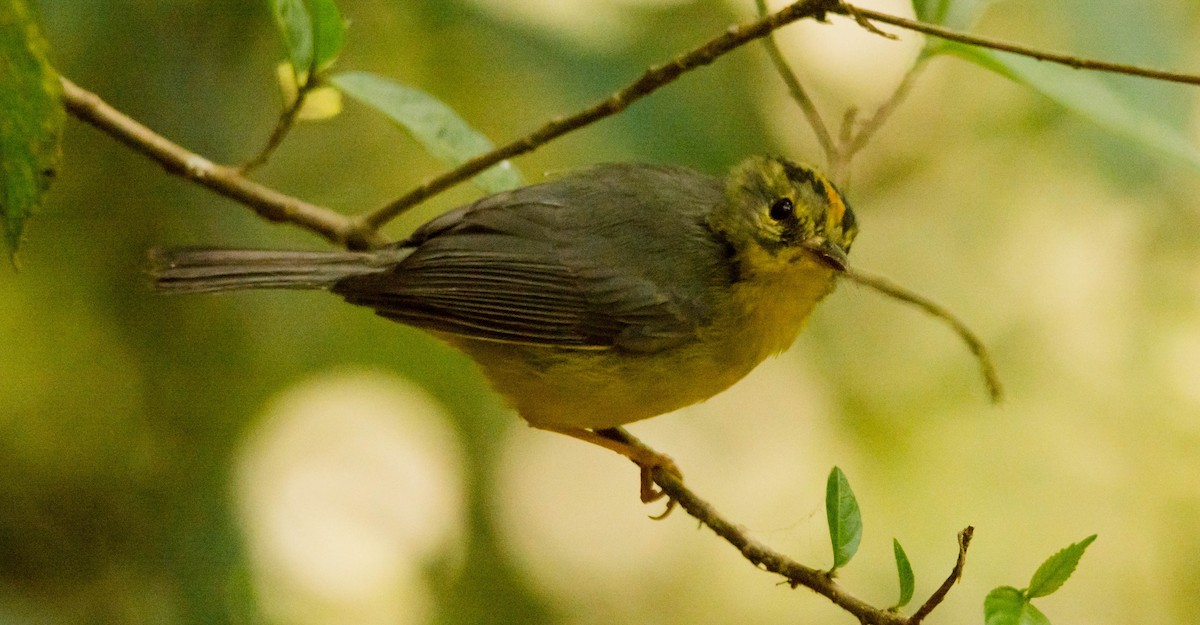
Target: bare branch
(990, 378)
(268, 203)
(796, 90)
(1004, 46)
(653, 79)
(964, 541)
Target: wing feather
(554, 264)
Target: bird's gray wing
(617, 256)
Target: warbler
(612, 294)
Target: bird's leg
(620, 441)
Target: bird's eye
(782, 210)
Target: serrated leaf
(905, 573)
(295, 26)
(1057, 569)
(1008, 606)
(844, 517)
(329, 33)
(431, 122)
(31, 122)
(1085, 94)
(956, 14)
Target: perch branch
(796, 574)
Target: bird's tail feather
(203, 270)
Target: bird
(611, 294)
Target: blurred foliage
(124, 414)
(32, 121)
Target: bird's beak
(829, 253)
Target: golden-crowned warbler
(612, 294)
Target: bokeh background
(284, 458)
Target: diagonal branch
(653, 79)
(1004, 46)
(796, 574)
(267, 202)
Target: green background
(153, 449)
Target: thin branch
(990, 378)
(653, 79)
(767, 559)
(885, 110)
(283, 125)
(964, 541)
(1004, 46)
(268, 203)
(796, 90)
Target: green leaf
(1008, 606)
(31, 122)
(1051, 575)
(1085, 94)
(296, 28)
(956, 14)
(845, 520)
(436, 126)
(904, 570)
(329, 33)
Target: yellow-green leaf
(1057, 569)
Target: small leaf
(1085, 94)
(1057, 569)
(1008, 606)
(296, 28)
(31, 121)
(845, 520)
(329, 33)
(321, 103)
(904, 570)
(436, 126)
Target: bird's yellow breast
(758, 316)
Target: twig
(990, 378)
(796, 90)
(767, 559)
(653, 79)
(885, 110)
(282, 126)
(268, 203)
(1004, 46)
(964, 541)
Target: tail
(206, 270)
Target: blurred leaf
(845, 520)
(329, 33)
(904, 570)
(1051, 575)
(436, 126)
(31, 120)
(319, 103)
(296, 27)
(1084, 93)
(956, 14)
(1008, 606)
